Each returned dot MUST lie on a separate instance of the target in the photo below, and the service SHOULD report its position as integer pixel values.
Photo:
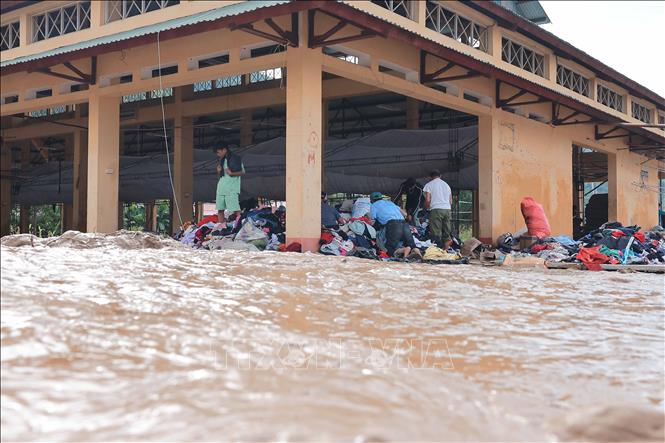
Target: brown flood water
(130, 337)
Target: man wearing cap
(438, 199)
(397, 229)
(229, 170)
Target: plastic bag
(249, 231)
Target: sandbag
(535, 219)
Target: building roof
(531, 10)
(207, 16)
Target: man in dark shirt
(414, 196)
(330, 217)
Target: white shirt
(361, 207)
(440, 194)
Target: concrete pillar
(487, 143)
(121, 215)
(183, 166)
(66, 217)
(419, 11)
(324, 137)
(80, 180)
(24, 210)
(103, 163)
(494, 41)
(412, 113)
(246, 136)
(303, 144)
(5, 188)
(149, 218)
(97, 13)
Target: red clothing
(592, 258)
(210, 218)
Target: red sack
(294, 247)
(535, 219)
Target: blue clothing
(329, 216)
(383, 211)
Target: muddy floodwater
(130, 337)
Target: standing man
(399, 240)
(438, 198)
(229, 170)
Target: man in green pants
(438, 198)
(229, 170)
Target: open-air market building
(343, 96)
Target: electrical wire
(166, 139)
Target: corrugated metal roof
(531, 10)
(214, 14)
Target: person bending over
(414, 197)
(398, 231)
(229, 171)
(438, 199)
(330, 217)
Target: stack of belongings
(256, 230)
(356, 238)
(613, 243)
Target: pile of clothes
(612, 243)
(264, 229)
(256, 230)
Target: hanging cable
(166, 139)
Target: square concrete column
(303, 146)
(80, 180)
(412, 113)
(5, 188)
(487, 142)
(246, 136)
(183, 166)
(103, 163)
(24, 210)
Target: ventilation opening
(207, 60)
(471, 98)
(9, 99)
(165, 70)
(266, 50)
(43, 93)
(79, 87)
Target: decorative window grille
(522, 57)
(349, 58)
(572, 80)
(9, 36)
(60, 21)
(265, 75)
(159, 93)
(609, 98)
(228, 82)
(38, 113)
(205, 85)
(122, 9)
(642, 113)
(400, 7)
(58, 110)
(135, 97)
(454, 26)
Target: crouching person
(397, 230)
